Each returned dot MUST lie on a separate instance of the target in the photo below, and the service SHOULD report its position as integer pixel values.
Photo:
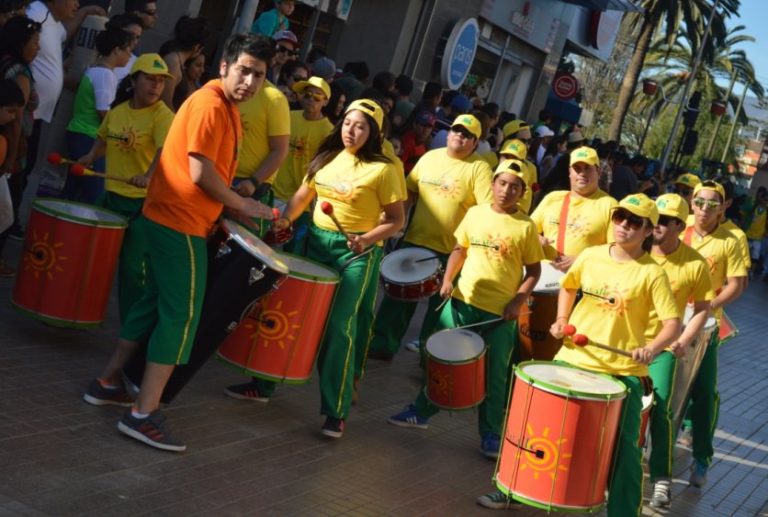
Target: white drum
(410, 274)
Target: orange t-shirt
(207, 125)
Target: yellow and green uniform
(741, 237)
(690, 281)
(615, 311)
(446, 187)
(133, 137)
(531, 177)
(725, 259)
(756, 230)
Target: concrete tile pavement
(60, 456)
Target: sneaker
(245, 391)
(698, 474)
(413, 346)
(685, 438)
(333, 427)
(490, 445)
(497, 501)
(150, 430)
(6, 271)
(409, 418)
(16, 233)
(98, 395)
(662, 493)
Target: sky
(752, 16)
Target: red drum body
(559, 437)
(455, 369)
(281, 336)
(70, 256)
(728, 329)
(535, 340)
(410, 274)
(645, 420)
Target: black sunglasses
(285, 50)
(635, 221)
(684, 191)
(462, 131)
(664, 220)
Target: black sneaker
(333, 427)
(247, 391)
(497, 501)
(150, 430)
(98, 395)
(16, 232)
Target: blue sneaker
(409, 418)
(698, 474)
(490, 445)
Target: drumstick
(426, 259)
(275, 214)
(57, 159)
(582, 341)
(79, 169)
(608, 299)
(495, 320)
(327, 209)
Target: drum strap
(563, 223)
(688, 236)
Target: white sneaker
(413, 346)
(662, 493)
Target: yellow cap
(710, 185)
(317, 82)
(470, 123)
(585, 155)
(513, 167)
(510, 128)
(514, 147)
(688, 179)
(370, 108)
(150, 64)
(672, 205)
(641, 205)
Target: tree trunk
(630, 77)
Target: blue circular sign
(460, 52)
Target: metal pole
(720, 118)
(307, 46)
(688, 86)
(494, 82)
(651, 116)
(735, 121)
(247, 14)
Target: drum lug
(223, 250)
(232, 326)
(255, 275)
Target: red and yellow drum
(561, 429)
(645, 419)
(535, 340)
(69, 261)
(455, 369)
(280, 338)
(411, 274)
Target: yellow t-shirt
(447, 188)
(388, 150)
(531, 176)
(491, 159)
(721, 251)
(756, 230)
(689, 279)
(357, 190)
(741, 237)
(633, 289)
(266, 114)
(133, 137)
(588, 222)
(306, 137)
(498, 246)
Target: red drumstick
(275, 214)
(57, 159)
(327, 209)
(78, 169)
(582, 340)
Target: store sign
(459, 53)
(565, 86)
(536, 22)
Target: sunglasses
(635, 221)
(706, 204)
(664, 220)
(462, 131)
(319, 97)
(684, 191)
(285, 50)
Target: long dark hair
(333, 145)
(15, 35)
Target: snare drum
(281, 336)
(70, 257)
(535, 340)
(645, 419)
(561, 429)
(410, 274)
(455, 369)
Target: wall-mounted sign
(536, 22)
(459, 53)
(565, 86)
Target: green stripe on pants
(662, 370)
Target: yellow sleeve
(412, 180)
(278, 115)
(532, 251)
(744, 248)
(538, 215)
(461, 233)
(702, 290)
(102, 132)
(572, 279)
(735, 266)
(162, 125)
(609, 232)
(481, 188)
(390, 187)
(662, 298)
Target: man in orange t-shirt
(188, 191)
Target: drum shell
(414, 290)
(287, 352)
(685, 374)
(536, 342)
(578, 435)
(645, 420)
(455, 385)
(68, 266)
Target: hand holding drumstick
(356, 243)
(642, 355)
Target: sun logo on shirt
(497, 248)
(125, 139)
(448, 188)
(299, 147)
(609, 298)
(577, 226)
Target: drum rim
(384, 278)
(41, 204)
(559, 390)
(334, 279)
(542, 505)
(272, 261)
(469, 360)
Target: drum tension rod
(536, 452)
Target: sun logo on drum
(274, 326)
(443, 383)
(43, 257)
(549, 461)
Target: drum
(455, 369)
(645, 420)
(533, 328)
(559, 437)
(410, 274)
(70, 256)
(276, 238)
(241, 270)
(728, 329)
(281, 336)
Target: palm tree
(672, 14)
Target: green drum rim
(41, 205)
(56, 322)
(256, 373)
(332, 278)
(544, 506)
(559, 390)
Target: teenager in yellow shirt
(491, 285)
(515, 149)
(443, 185)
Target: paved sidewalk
(60, 456)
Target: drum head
(549, 281)
(568, 380)
(455, 345)
(688, 314)
(300, 267)
(255, 246)
(401, 267)
(88, 215)
(647, 402)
